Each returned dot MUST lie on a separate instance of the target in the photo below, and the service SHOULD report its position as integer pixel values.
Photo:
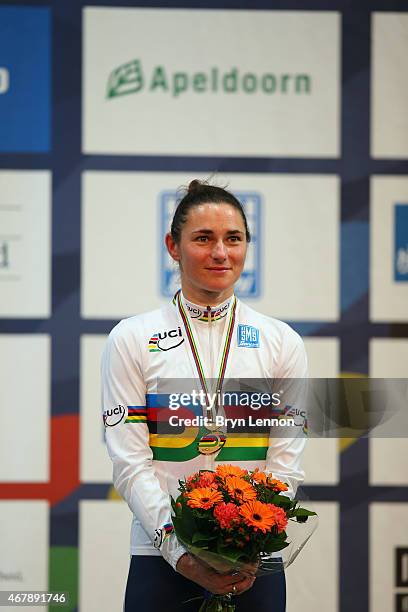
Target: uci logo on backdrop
(249, 284)
(401, 243)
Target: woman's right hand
(212, 581)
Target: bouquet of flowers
(234, 519)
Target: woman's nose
(219, 251)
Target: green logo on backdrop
(125, 79)
(129, 78)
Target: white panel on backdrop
(389, 85)
(294, 261)
(24, 547)
(104, 539)
(205, 82)
(389, 249)
(25, 243)
(388, 557)
(312, 580)
(388, 456)
(321, 457)
(323, 357)
(96, 465)
(25, 407)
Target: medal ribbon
(194, 350)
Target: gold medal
(211, 442)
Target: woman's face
(211, 251)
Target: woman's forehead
(214, 214)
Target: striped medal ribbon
(213, 441)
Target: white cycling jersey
(147, 357)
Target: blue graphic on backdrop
(249, 284)
(24, 79)
(401, 243)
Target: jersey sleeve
(285, 452)
(128, 441)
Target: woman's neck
(200, 297)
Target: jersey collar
(206, 314)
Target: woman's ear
(172, 247)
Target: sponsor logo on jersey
(248, 336)
(401, 243)
(161, 534)
(114, 416)
(299, 416)
(166, 340)
(203, 315)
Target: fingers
(245, 584)
(240, 586)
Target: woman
(208, 335)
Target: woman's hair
(202, 193)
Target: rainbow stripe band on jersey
(136, 414)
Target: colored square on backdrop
(25, 80)
(401, 243)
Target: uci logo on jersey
(166, 340)
(248, 336)
(114, 416)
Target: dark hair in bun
(202, 193)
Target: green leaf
(282, 501)
(275, 546)
(231, 554)
(303, 512)
(202, 537)
(181, 532)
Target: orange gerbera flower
(240, 488)
(230, 470)
(258, 515)
(203, 498)
(259, 477)
(278, 485)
